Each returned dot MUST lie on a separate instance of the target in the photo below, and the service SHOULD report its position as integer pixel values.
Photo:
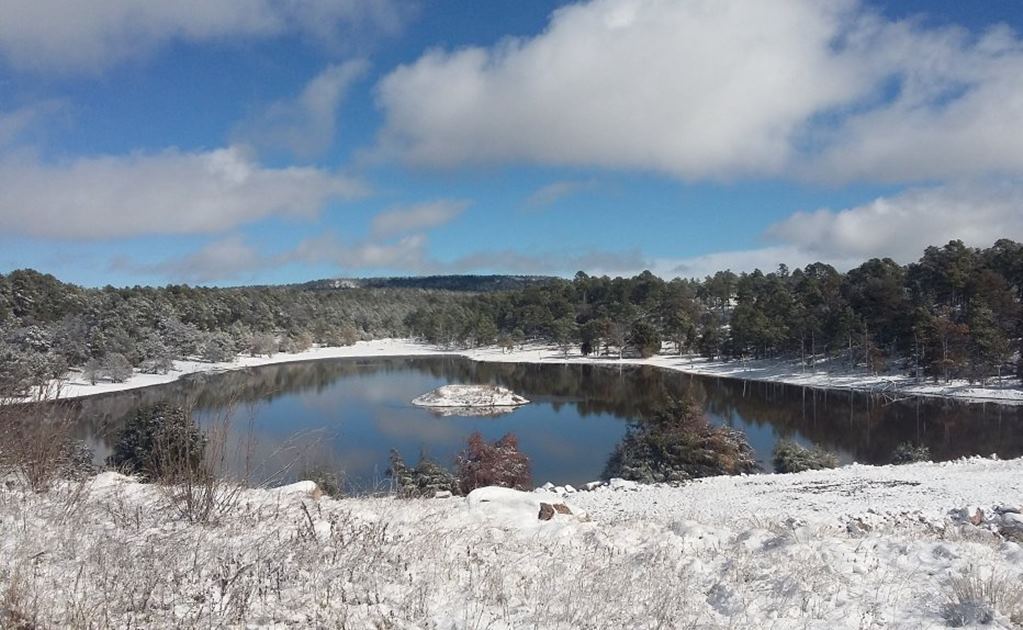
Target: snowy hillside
(924, 545)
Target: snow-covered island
(476, 397)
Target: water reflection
(347, 414)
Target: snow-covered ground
(859, 547)
(1007, 391)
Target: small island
(476, 397)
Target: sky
(230, 142)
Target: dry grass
(979, 597)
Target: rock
(857, 528)
(548, 486)
(569, 489)
(559, 490)
(548, 510)
(593, 485)
(977, 518)
(442, 494)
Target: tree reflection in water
(351, 410)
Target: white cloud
(171, 192)
(92, 35)
(701, 88)
(720, 89)
(223, 259)
(901, 226)
(416, 218)
(594, 262)
(555, 191)
(18, 123)
(306, 126)
(407, 254)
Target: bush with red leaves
(498, 464)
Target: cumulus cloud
(172, 192)
(698, 88)
(418, 217)
(90, 36)
(898, 226)
(720, 89)
(902, 225)
(305, 126)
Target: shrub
(261, 344)
(37, 445)
(160, 443)
(909, 453)
(331, 483)
(677, 443)
(219, 348)
(498, 464)
(425, 480)
(157, 365)
(975, 599)
(113, 367)
(297, 343)
(790, 457)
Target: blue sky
(241, 141)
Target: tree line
(954, 313)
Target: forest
(954, 313)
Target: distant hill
(466, 283)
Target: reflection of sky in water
(347, 415)
(360, 418)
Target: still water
(346, 415)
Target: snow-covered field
(1007, 391)
(859, 547)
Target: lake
(348, 414)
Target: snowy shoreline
(1007, 392)
(856, 547)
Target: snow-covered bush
(426, 479)
(975, 598)
(261, 344)
(677, 443)
(329, 481)
(113, 367)
(909, 453)
(296, 343)
(790, 457)
(498, 464)
(160, 443)
(218, 347)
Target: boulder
(548, 510)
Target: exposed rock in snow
(474, 397)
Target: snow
(857, 547)
(1006, 391)
(470, 396)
